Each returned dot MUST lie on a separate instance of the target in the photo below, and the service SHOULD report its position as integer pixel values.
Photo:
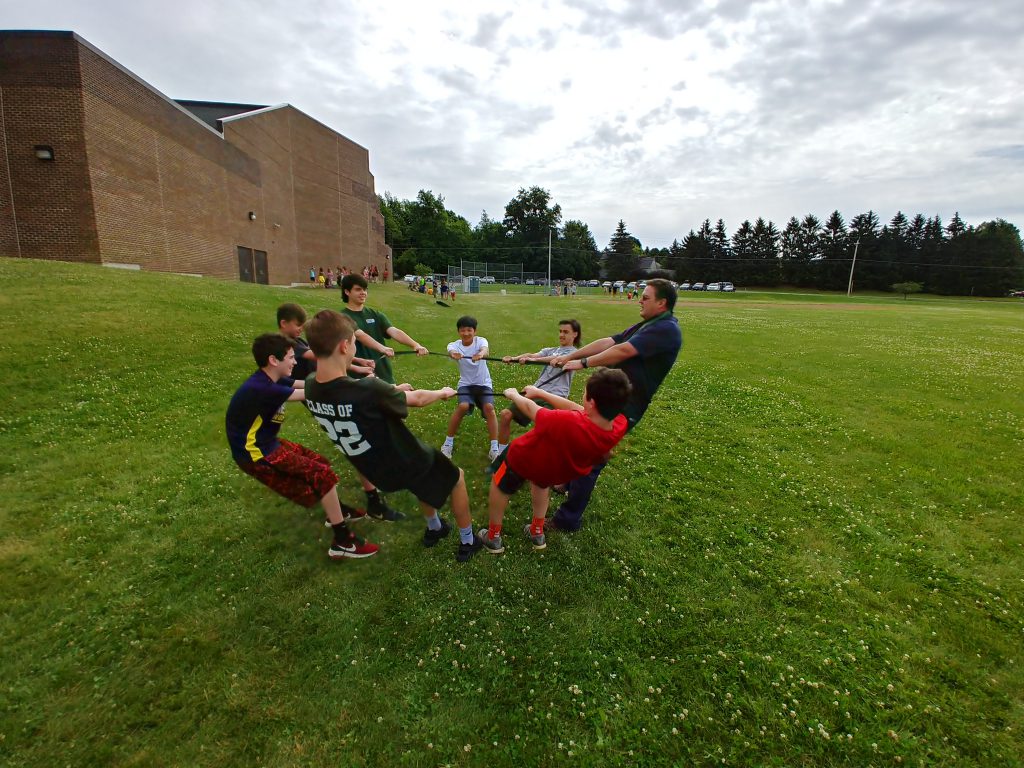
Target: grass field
(808, 553)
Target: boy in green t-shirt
(373, 328)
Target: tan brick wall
(140, 181)
(45, 208)
(317, 186)
(169, 194)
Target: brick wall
(45, 207)
(139, 180)
(317, 186)
(169, 193)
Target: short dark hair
(348, 281)
(327, 330)
(466, 321)
(575, 325)
(270, 344)
(290, 312)
(609, 388)
(663, 290)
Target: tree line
(952, 259)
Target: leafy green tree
(907, 288)
(529, 217)
(491, 242)
(577, 254)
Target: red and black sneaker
(354, 547)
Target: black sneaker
(430, 538)
(348, 515)
(384, 513)
(466, 551)
(352, 514)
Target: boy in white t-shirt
(475, 387)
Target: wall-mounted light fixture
(44, 152)
(252, 215)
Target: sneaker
(385, 513)
(536, 538)
(430, 538)
(494, 546)
(352, 514)
(551, 525)
(446, 449)
(354, 547)
(349, 515)
(493, 454)
(466, 551)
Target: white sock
(449, 441)
(494, 445)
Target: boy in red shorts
(564, 444)
(253, 421)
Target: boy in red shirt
(563, 445)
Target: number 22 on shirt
(345, 435)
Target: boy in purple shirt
(253, 421)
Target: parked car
(487, 279)
(1017, 294)
(531, 281)
(606, 284)
(713, 287)
(684, 286)
(593, 283)
(630, 286)
(697, 287)
(620, 284)
(641, 284)
(410, 278)
(728, 287)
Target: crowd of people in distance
(332, 278)
(339, 365)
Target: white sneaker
(493, 454)
(446, 449)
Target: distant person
(645, 352)
(252, 423)
(312, 276)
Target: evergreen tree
(620, 258)
(743, 252)
(766, 253)
(832, 270)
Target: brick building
(98, 166)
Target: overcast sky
(658, 112)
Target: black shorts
(506, 478)
(476, 394)
(520, 418)
(434, 486)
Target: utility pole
(849, 286)
(549, 260)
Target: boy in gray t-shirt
(553, 380)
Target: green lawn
(808, 553)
